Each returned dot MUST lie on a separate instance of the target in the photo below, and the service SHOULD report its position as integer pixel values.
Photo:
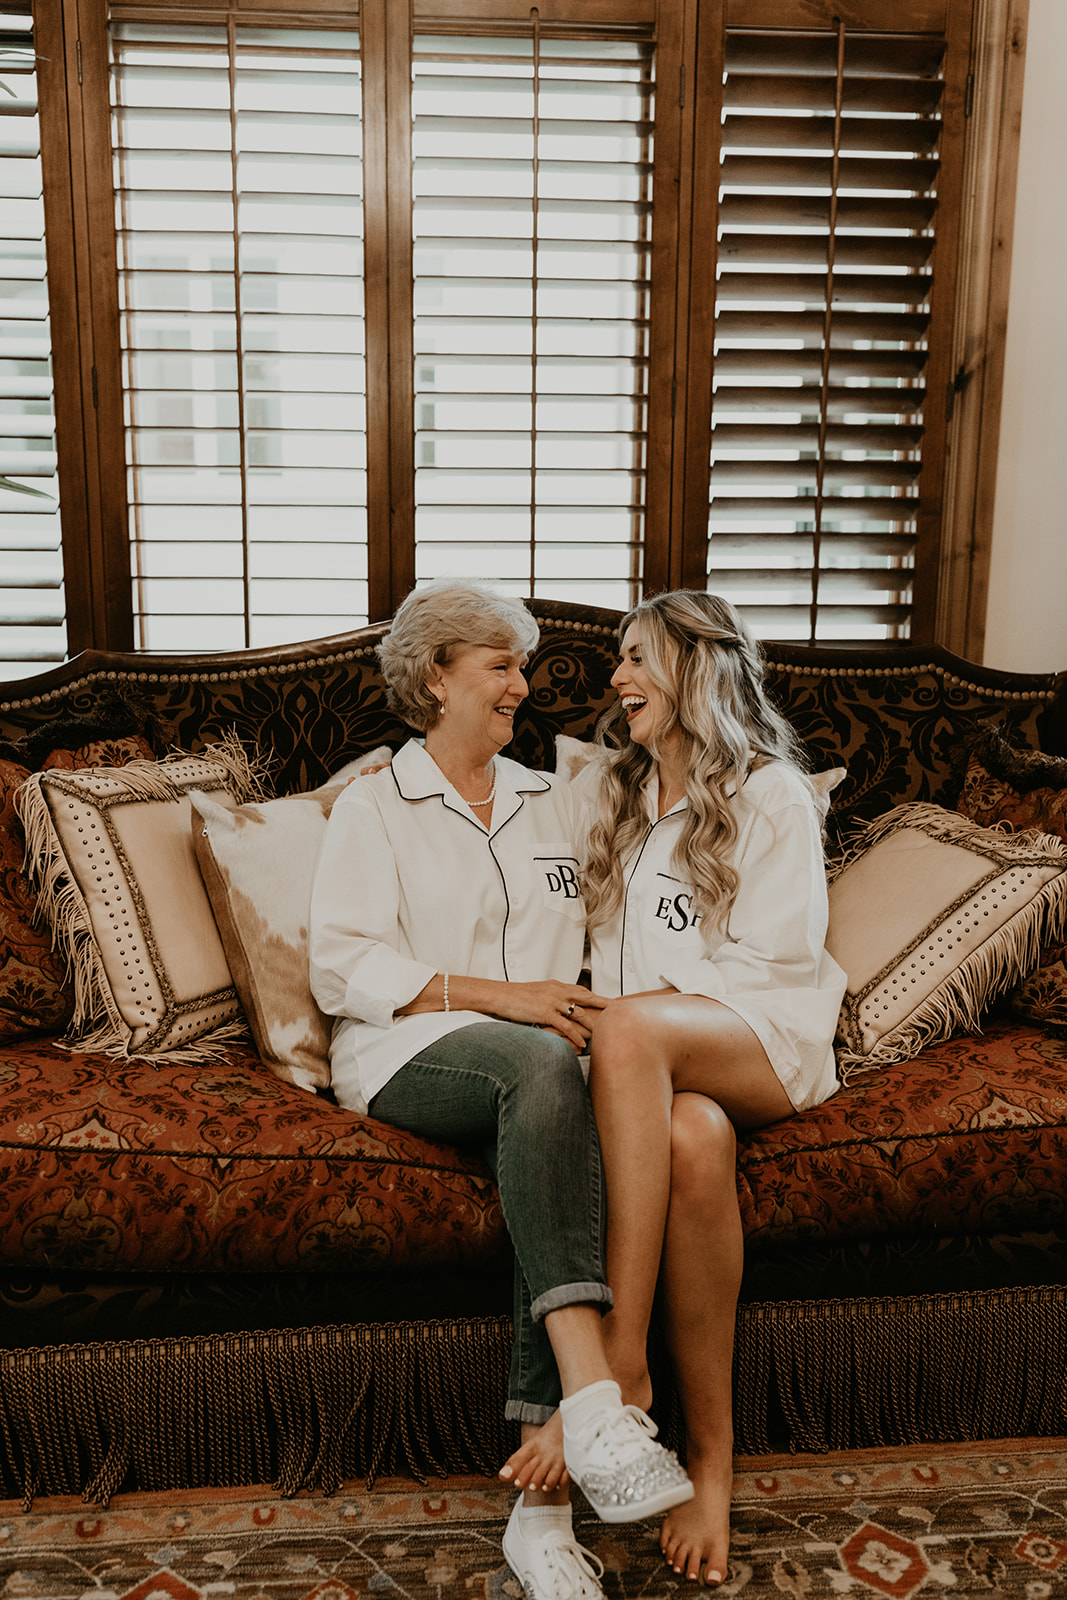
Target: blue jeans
(517, 1094)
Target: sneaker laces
(573, 1571)
(625, 1433)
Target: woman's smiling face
(645, 705)
(481, 688)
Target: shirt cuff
(384, 981)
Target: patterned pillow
(931, 917)
(1023, 789)
(257, 863)
(36, 991)
(110, 854)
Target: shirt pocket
(555, 870)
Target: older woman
(706, 895)
(447, 931)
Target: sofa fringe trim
(312, 1408)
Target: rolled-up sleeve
(357, 969)
(777, 927)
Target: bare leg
(702, 1260)
(671, 1074)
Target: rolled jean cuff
(572, 1294)
(526, 1411)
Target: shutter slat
(796, 54)
(893, 326)
(807, 364)
(849, 288)
(805, 249)
(871, 437)
(880, 211)
(893, 173)
(916, 97)
(818, 133)
(804, 398)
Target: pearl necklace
(488, 799)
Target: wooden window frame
(80, 226)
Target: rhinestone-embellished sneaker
(551, 1564)
(621, 1472)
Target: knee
(703, 1147)
(550, 1070)
(626, 1029)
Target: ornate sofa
(210, 1275)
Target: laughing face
(645, 705)
(481, 688)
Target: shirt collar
(418, 777)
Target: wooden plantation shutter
(830, 259)
(532, 237)
(32, 626)
(238, 175)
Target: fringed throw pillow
(110, 854)
(257, 863)
(931, 917)
(36, 993)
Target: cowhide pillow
(257, 862)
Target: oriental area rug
(969, 1520)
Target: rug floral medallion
(968, 1520)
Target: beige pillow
(931, 917)
(110, 854)
(257, 862)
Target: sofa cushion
(36, 990)
(111, 854)
(110, 1165)
(931, 917)
(258, 864)
(968, 1137)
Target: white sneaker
(552, 1566)
(621, 1472)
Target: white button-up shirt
(410, 883)
(770, 964)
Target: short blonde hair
(431, 625)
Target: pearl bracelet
(447, 1007)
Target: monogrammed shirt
(768, 964)
(409, 884)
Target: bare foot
(695, 1537)
(538, 1462)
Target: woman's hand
(564, 1008)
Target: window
(532, 221)
(31, 579)
(240, 252)
(588, 306)
(826, 237)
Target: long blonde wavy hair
(708, 668)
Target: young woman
(706, 895)
(447, 931)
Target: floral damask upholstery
(969, 1136)
(123, 1165)
(224, 1168)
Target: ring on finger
(570, 1009)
